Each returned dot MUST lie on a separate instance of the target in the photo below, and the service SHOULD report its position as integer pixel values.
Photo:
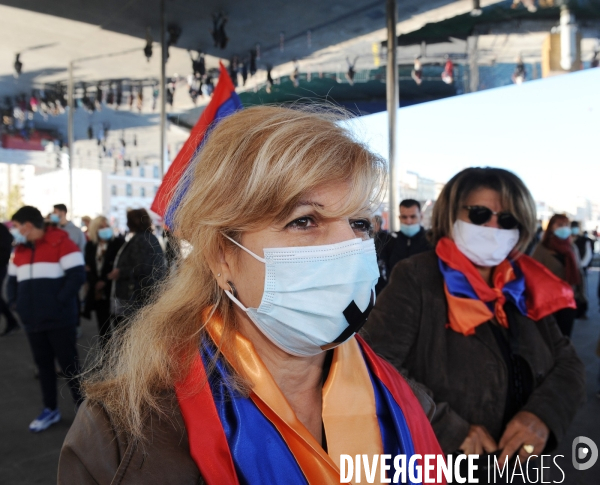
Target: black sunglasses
(479, 215)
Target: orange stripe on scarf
(349, 411)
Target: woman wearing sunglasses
(472, 322)
(557, 253)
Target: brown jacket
(95, 454)
(467, 376)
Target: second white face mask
(484, 246)
(315, 297)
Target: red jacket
(44, 279)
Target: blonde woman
(246, 368)
(100, 253)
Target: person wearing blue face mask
(100, 253)
(251, 346)
(558, 253)
(59, 217)
(45, 275)
(410, 240)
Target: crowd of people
(294, 319)
(58, 274)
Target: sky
(547, 131)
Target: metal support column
(163, 91)
(473, 63)
(70, 134)
(393, 97)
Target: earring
(218, 275)
(232, 289)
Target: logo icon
(585, 453)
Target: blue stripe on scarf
(260, 455)
(514, 290)
(395, 435)
(458, 285)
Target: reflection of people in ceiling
(528, 4)
(198, 64)
(18, 65)
(218, 32)
(448, 73)
(518, 76)
(417, 72)
(270, 81)
(252, 62)
(148, 47)
(295, 74)
(351, 71)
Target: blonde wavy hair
(94, 226)
(254, 168)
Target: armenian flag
(224, 102)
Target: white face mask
(315, 297)
(484, 246)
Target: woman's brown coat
(466, 375)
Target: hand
(113, 275)
(524, 429)
(100, 285)
(477, 441)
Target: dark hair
(575, 224)
(31, 214)
(61, 207)
(408, 203)
(514, 196)
(138, 220)
(549, 233)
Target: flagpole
(393, 96)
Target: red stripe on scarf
(208, 444)
(422, 434)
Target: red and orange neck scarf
(534, 290)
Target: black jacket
(6, 240)
(467, 376)
(141, 265)
(107, 266)
(400, 246)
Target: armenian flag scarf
(368, 408)
(532, 288)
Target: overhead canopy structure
(464, 25)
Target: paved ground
(27, 459)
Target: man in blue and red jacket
(44, 278)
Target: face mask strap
(235, 300)
(247, 250)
